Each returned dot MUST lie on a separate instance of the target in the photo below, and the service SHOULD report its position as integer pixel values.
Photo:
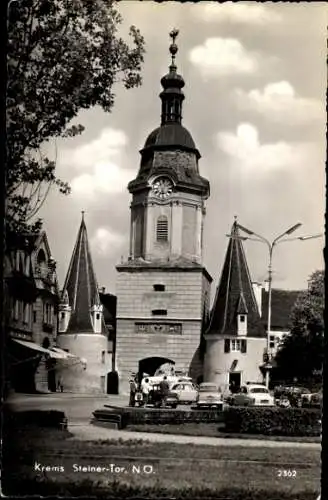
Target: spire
(172, 83)
(235, 293)
(81, 285)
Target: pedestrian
(60, 385)
(133, 390)
(145, 388)
(164, 388)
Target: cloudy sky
(255, 92)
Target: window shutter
(243, 345)
(226, 345)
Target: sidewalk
(92, 432)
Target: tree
(63, 56)
(301, 355)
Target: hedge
(129, 416)
(38, 418)
(273, 421)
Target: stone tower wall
(88, 346)
(136, 299)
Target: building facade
(163, 287)
(236, 337)
(31, 304)
(282, 302)
(81, 327)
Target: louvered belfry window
(162, 228)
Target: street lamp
(271, 246)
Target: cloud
(99, 165)
(279, 102)
(107, 145)
(105, 178)
(106, 242)
(244, 148)
(223, 56)
(238, 13)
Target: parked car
(252, 395)
(315, 400)
(155, 397)
(209, 396)
(186, 392)
(297, 396)
(138, 398)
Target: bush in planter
(273, 421)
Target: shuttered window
(235, 345)
(227, 345)
(162, 228)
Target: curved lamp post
(271, 246)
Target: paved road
(91, 432)
(77, 407)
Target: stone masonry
(183, 299)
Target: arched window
(162, 228)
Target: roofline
(153, 268)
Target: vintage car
(297, 396)
(138, 399)
(155, 397)
(252, 395)
(186, 392)
(209, 396)
(314, 401)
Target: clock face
(162, 187)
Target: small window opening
(159, 288)
(242, 318)
(159, 312)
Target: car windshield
(208, 388)
(259, 390)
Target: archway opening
(153, 365)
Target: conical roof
(81, 285)
(235, 294)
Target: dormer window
(42, 263)
(241, 324)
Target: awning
(53, 352)
(61, 354)
(32, 345)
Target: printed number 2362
(286, 473)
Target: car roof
(256, 385)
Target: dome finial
(173, 47)
(82, 212)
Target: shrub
(37, 418)
(273, 421)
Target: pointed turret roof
(235, 293)
(80, 286)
